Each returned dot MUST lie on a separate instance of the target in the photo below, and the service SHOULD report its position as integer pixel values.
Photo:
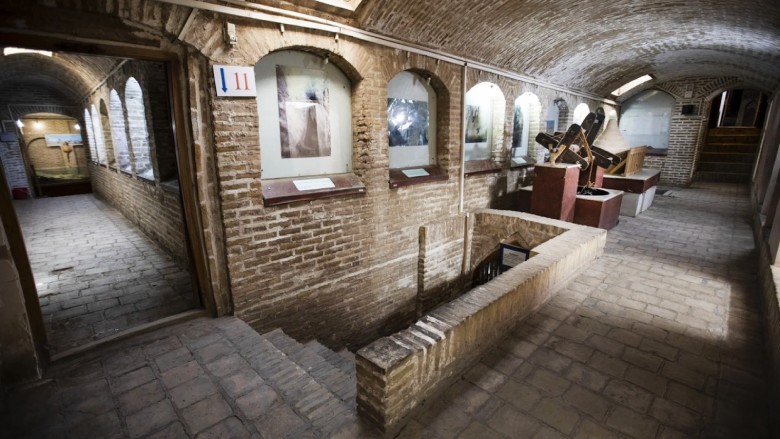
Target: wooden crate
(633, 161)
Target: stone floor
(96, 273)
(659, 339)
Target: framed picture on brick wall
(305, 116)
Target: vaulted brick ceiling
(72, 75)
(595, 46)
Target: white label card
(235, 81)
(411, 173)
(512, 258)
(316, 183)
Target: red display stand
(555, 191)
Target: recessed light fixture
(17, 50)
(19, 123)
(77, 127)
(631, 84)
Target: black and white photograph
(407, 122)
(303, 112)
(477, 124)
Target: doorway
(116, 254)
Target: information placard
(419, 172)
(313, 184)
(512, 256)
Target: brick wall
(440, 262)
(13, 165)
(154, 209)
(42, 156)
(687, 132)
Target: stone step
(722, 177)
(727, 157)
(308, 357)
(345, 362)
(735, 168)
(738, 148)
(299, 388)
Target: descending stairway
(316, 382)
(728, 155)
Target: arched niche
(119, 132)
(105, 124)
(557, 113)
(484, 120)
(646, 119)
(97, 128)
(411, 121)
(89, 127)
(526, 124)
(139, 134)
(304, 105)
(580, 111)
(53, 144)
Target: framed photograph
(407, 122)
(303, 112)
(55, 140)
(477, 132)
(512, 255)
(304, 107)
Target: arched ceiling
(595, 46)
(73, 75)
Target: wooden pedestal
(599, 210)
(555, 191)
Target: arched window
(119, 132)
(646, 119)
(411, 121)
(484, 121)
(580, 112)
(304, 104)
(107, 141)
(90, 136)
(97, 128)
(528, 115)
(139, 135)
(557, 113)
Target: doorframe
(185, 158)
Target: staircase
(728, 155)
(316, 382)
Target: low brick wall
(396, 373)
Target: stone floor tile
(511, 423)
(478, 430)
(230, 428)
(485, 377)
(587, 402)
(520, 394)
(132, 379)
(629, 395)
(151, 419)
(257, 401)
(556, 415)
(173, 431)
(632, 423)
(140, 397)
(205, 413)
(192, 391)
(280, 422)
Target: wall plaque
(419, 172)
(313, 184)
(235, 81)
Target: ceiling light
(19, 123)
(77, 127)
(629, 85)
(37, 124)
(16, 50)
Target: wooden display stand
(600, 211)
(639, 190)
(555, 191)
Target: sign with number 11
(235, 81)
